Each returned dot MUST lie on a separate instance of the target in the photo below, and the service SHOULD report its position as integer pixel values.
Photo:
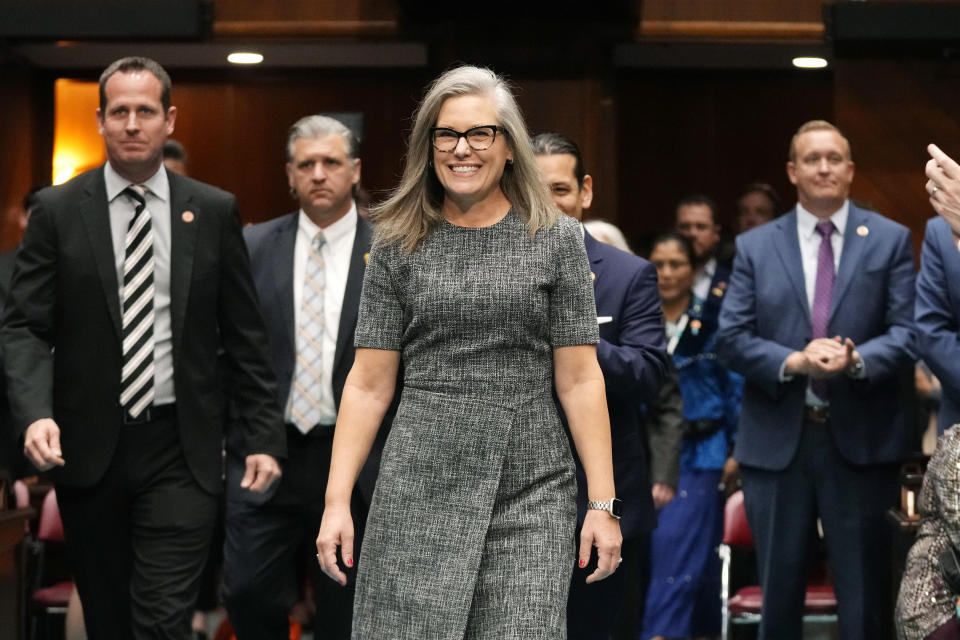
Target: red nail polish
(582, 564)
(349, 562)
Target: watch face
(616, 508)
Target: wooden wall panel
(890, 110)
(685, 132)
(229, 10)
(732, 10)
(235, 131)
(18, 110)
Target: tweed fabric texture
(925, 601)
(470, 532)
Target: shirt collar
(158, 184)
(807, 222)
(333, 232)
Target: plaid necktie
(136, 381)
(305, 401)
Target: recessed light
(245, 57)
(809, 63)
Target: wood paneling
(712, 133)
(19, 110)
(890, 110)
(732, 10)
(235, 131)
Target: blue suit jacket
(632, 355)
(765, 317)
(937, 313)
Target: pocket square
(604, 319)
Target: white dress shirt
(336, 251)
(703, 278)
(122, 207)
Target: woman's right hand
(336, 530)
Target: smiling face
(321, 174)
(134, 124)
(674, 271)
(821, 170)
(559, 174)
(468, 176)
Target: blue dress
(683, 598)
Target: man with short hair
(308, 268)
(129, 282)
(632, 354)
(696, 219)
(819, 321)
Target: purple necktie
(822, 294)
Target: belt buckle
(143, 418)
(818, 415)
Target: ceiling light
(809, 63)
(245, 57)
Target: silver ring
(933, 191)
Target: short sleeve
(573, 312)
(380, 318)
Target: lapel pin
(593, 276)
(862, 230)
(695, 326)
(717, 292)
(366, 258)
(187, 216)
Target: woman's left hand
(600, 530)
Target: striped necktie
(305, 399)
(136, 382)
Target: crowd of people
(466, 412)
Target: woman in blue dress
(683, 599)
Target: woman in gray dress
(482, 289)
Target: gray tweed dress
(471, 529)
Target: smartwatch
(614, 506)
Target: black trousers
(138, 539)
(602, 610)
(271, 544)
(851, 502)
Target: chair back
(50, 527)
(736, 531)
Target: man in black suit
(633, 356)
(308, 269)
(128, 283)
(696, 219)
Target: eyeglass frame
(464, 135)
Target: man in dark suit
(819, 321)
(128, 283)
(308, 269)
(696, 219)
(938, 285)
(632, 355)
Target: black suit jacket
(271, 246)
(62, 329)
(633, 357)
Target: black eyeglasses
(479, 138)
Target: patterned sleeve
(573, 313)
(380, 319)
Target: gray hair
(317, 126)
(412, 210)
(607, 233)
